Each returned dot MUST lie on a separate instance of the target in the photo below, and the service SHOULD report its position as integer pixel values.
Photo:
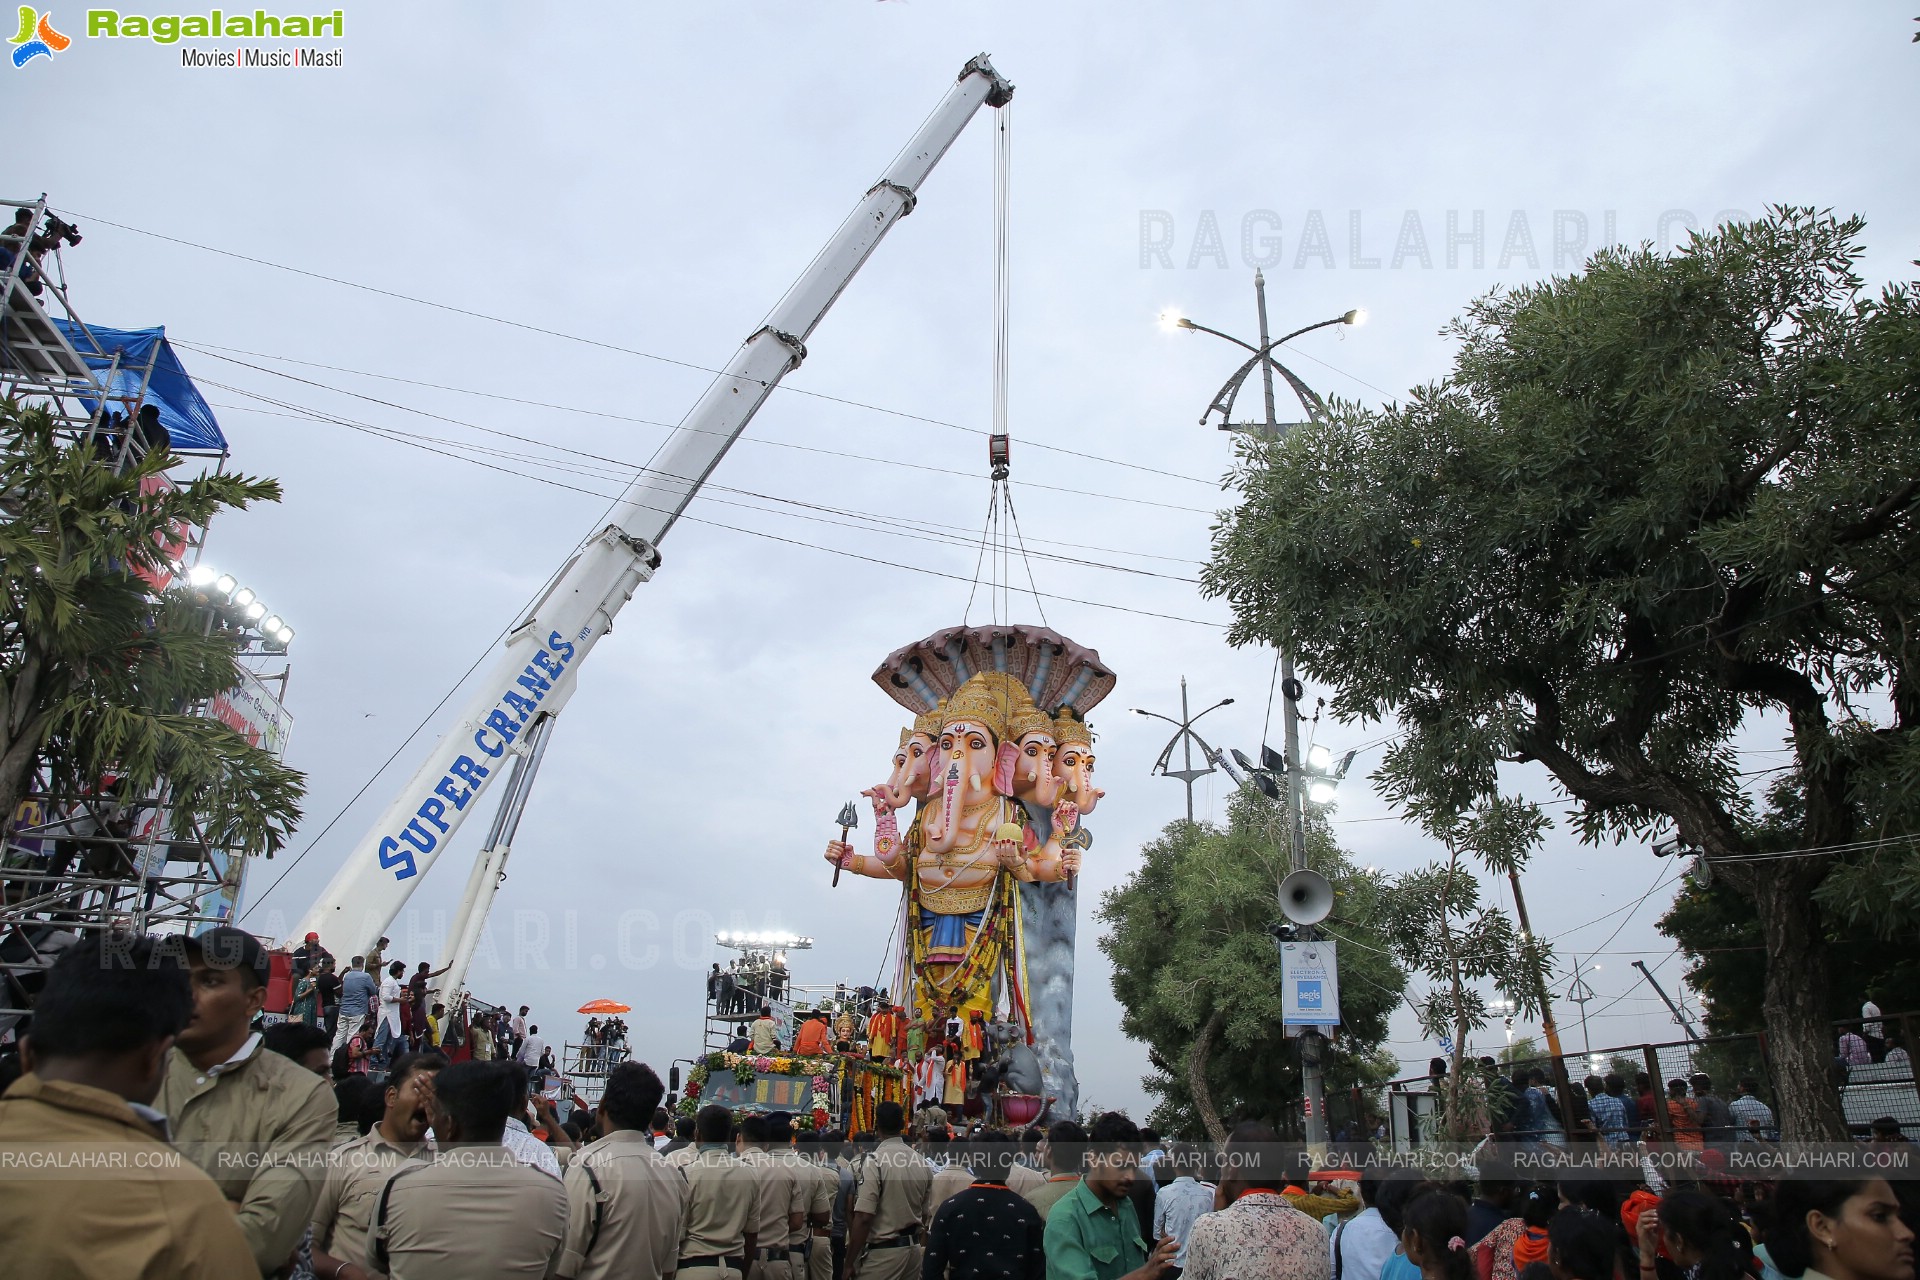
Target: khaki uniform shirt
(146, 1213)
(894, 1184)
(826, 1185)
(1020, 1179)
(950, 1181)
(784, 1190)
(343, 1215)
(629, 1226)
(681, 1157)
(259, 1125)
(1045, 1195)
(474, 1211)
(723, 1204)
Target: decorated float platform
(827, 1092)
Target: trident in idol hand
(849, 819)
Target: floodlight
(201, 574)
(1321, 792)
(255, 611)
(243, 597)
(1318, 758)
(1355, 317)
(272, 625)
(225, 584)
(779, 957)
(286, 635)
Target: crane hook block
(999, 456)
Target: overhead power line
(405, 438)
(778, 444)
(624, 471)
(604, 345)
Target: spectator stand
(78, 862)
(1867, 1091)
(588, 1062)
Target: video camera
(56, 230)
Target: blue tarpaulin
(183, 411)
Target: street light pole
(1580, 993)
(1186, 737)
(1312, 1078)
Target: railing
(1882, 1089)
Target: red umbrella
(605, 1006)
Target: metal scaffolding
(81, 862)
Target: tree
(97, 674)
(1653, 504)
(1523, 1050)
(1718, 931)
(1198, 979)
(1437, 926)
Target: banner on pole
(1310, 984)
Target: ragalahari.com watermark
(1413, 239)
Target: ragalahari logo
(37, 38)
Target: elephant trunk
(946, 818)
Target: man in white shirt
(1179, 1204)
(1362, 1244)
(392, 992)
(1873, 1031)
(519, 1139)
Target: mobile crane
(506, 726)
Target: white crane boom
(506, 726)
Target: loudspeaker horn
(1306, 897)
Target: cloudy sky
(633, 187)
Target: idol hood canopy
(1054, 671)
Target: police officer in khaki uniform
(357, 1170)
(226, 1094)
(723, 1203)
(890, 1206)
(625, 1205)
(812, 1155)
(475, 1210)
(811, 1240)
(783, 1197)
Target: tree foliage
(1654, 504)
(99, 676)
(1718, 932)
(1194, 963)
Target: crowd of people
(150, 1128)
(1526, 1108)
(375, 1010)
(744, 984)
(603, 1046)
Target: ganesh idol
(969, 831)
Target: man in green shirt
(1092, 1231)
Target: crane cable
(1000, 534)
